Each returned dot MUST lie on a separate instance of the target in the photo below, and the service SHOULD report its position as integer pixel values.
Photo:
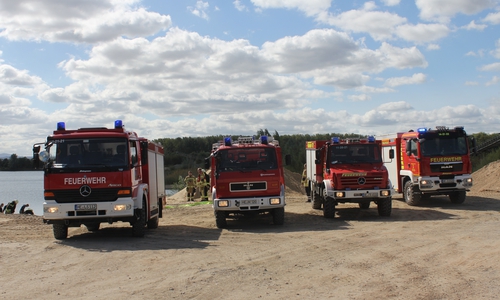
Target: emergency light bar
(118, 124)
(422, 130)
(61, 126)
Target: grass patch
(188, 204)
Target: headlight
(50, 210)
(385, 193)
(275, 201)
(426, 183)
(119, 207)
(339, 194)
(468, 180)
(223, 203)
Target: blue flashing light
(371, 139)
(227, 141)
(61, 126)
(422, 130)
(118, 124)
(263, 139)
(335, 140)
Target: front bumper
(119, 209)
(358, 195)
(249, 204)
(436, 184)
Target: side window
(413, 145)
(133, 152)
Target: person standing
(1, 208)
(190, 182)
(305, 182)
(203, 181)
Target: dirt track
(436, 251)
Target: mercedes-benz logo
(361, 180)
(85, 190)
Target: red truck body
(97, 175)
(429, 162)
(247, 177)
(351, 170)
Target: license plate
(369, 194)
(248, 201)
(447, 181)
(81, 207)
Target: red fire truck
(97, 175)
(246, 178)
(349, 170)
(429, 162)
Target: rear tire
(220, 219)
(139, 226)
(411, 197)
(60, 231)
(329, 208)
(384, 207)
(315, 200)
(458, 197)
(278, 216)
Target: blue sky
(197, 68)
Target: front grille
(248, 186)
(354, 182)
(97, 195)
(447, 167)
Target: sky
(187, 68)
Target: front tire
(60, 231)
(278, 216)
(384, 207)
(329, 208)
(220, 219)
(315, 200)
(458, 197)
(139, 226)
(412, 194)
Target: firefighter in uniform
(203, 184)
(11, 207)
(305, 182)
(190, 182)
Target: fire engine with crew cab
(247, 177)
(429, 162)
(97, 175)
(348, 170)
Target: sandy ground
(435, 251)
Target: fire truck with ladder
(101, 175)
(429, 162)
(348, 170)
(247, 177)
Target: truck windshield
(444, 146)
(355, 153)
(69, 153)
(246, 159)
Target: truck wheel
(384, 207)
(139, 226)
(329, 208)
(220, 219)
(278, 216)
(364, 205)
(411, 198)
(60, 231)
(315, 200)
(457, 197)
(93, 226)
(153, 223)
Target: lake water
(27, 187)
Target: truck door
(412, 158)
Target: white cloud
(493, 81)
(391, 2)
(422, 33)
(417, 78)
(200, 9)
(444, 10)
(473, 26)
(496, 53)
(494, 67)
(77, 21)
(492, 18)
(310, 7)
(239, 6)
(471, 83)
(432, 47)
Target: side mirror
(474, 145)
(207, 163)
(288, 159)
(391, 153)
(318, 154)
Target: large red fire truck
(348, 170)
(429, 162)
(247, 177)
(97, 175)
